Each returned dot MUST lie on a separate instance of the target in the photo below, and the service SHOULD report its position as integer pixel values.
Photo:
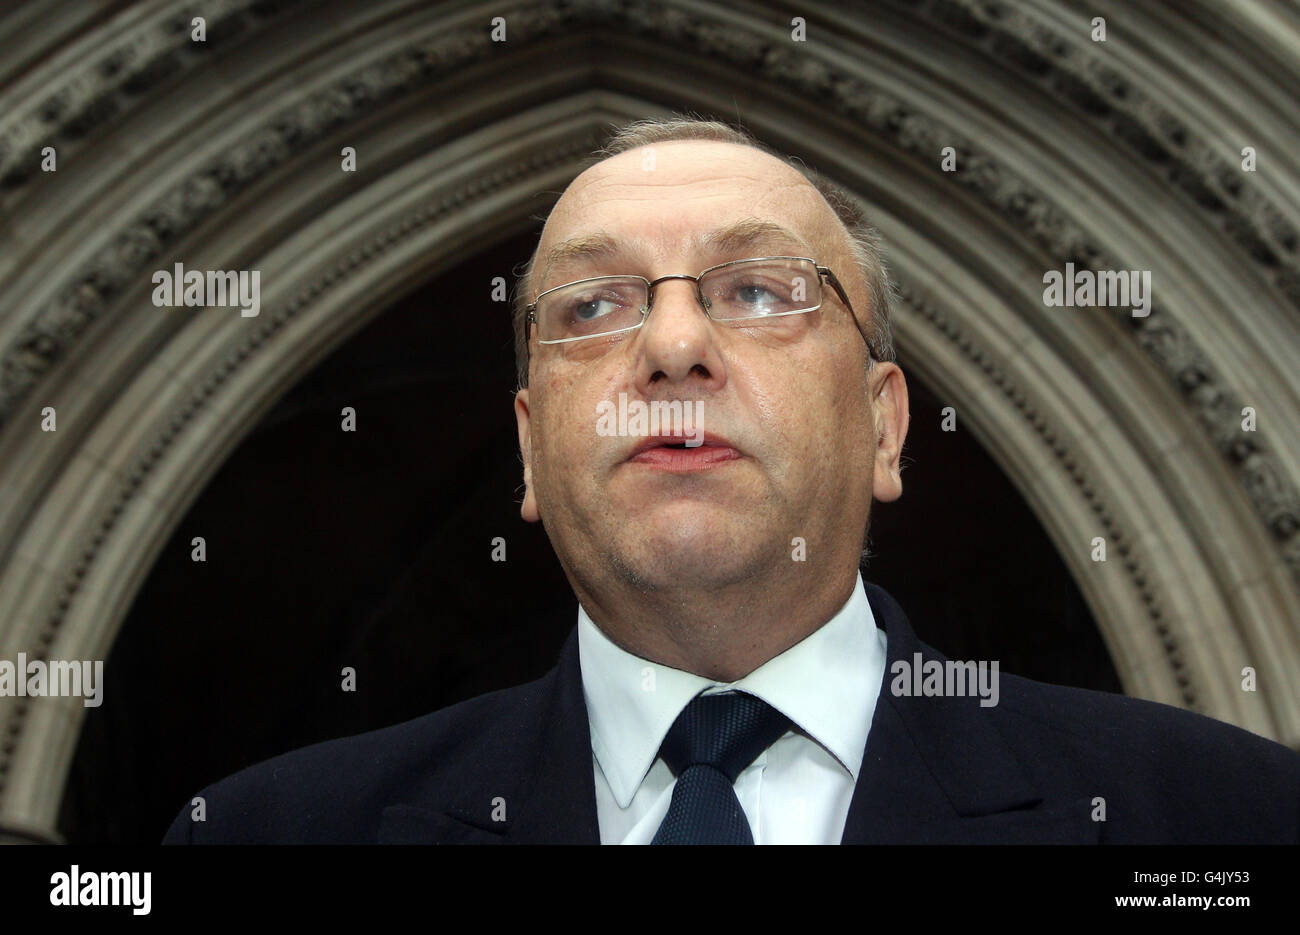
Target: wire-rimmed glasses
(754, 288)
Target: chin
(667, 556)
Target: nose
(678, 344)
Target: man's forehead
(703, 170)
(688, 195)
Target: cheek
(771, 395)
(564, 426)
(802, 403)
(830, 423)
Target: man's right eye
(593, 308)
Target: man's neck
(720, 633)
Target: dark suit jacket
(936, 770)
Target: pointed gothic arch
(226, 156)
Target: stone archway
(226, 156)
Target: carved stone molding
(118, 72)
(1119, 107)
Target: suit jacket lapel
(936, 769)
(537, 785)
(560, 805)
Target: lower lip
(699, 458)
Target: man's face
(784, 402)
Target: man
(731, 679)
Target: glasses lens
(759, 288)
(586, 309)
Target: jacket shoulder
(1164, 773)
(335, 791)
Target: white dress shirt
(798, 791)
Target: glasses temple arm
(849, 305)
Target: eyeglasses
(741, 290)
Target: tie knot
(725, 731)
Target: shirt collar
(827, 684)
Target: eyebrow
(732, 239)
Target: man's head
(805, 427)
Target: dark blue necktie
(711, 742)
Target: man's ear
(889, 403)
(523, 417)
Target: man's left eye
(754, 296)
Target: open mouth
(680, 455)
